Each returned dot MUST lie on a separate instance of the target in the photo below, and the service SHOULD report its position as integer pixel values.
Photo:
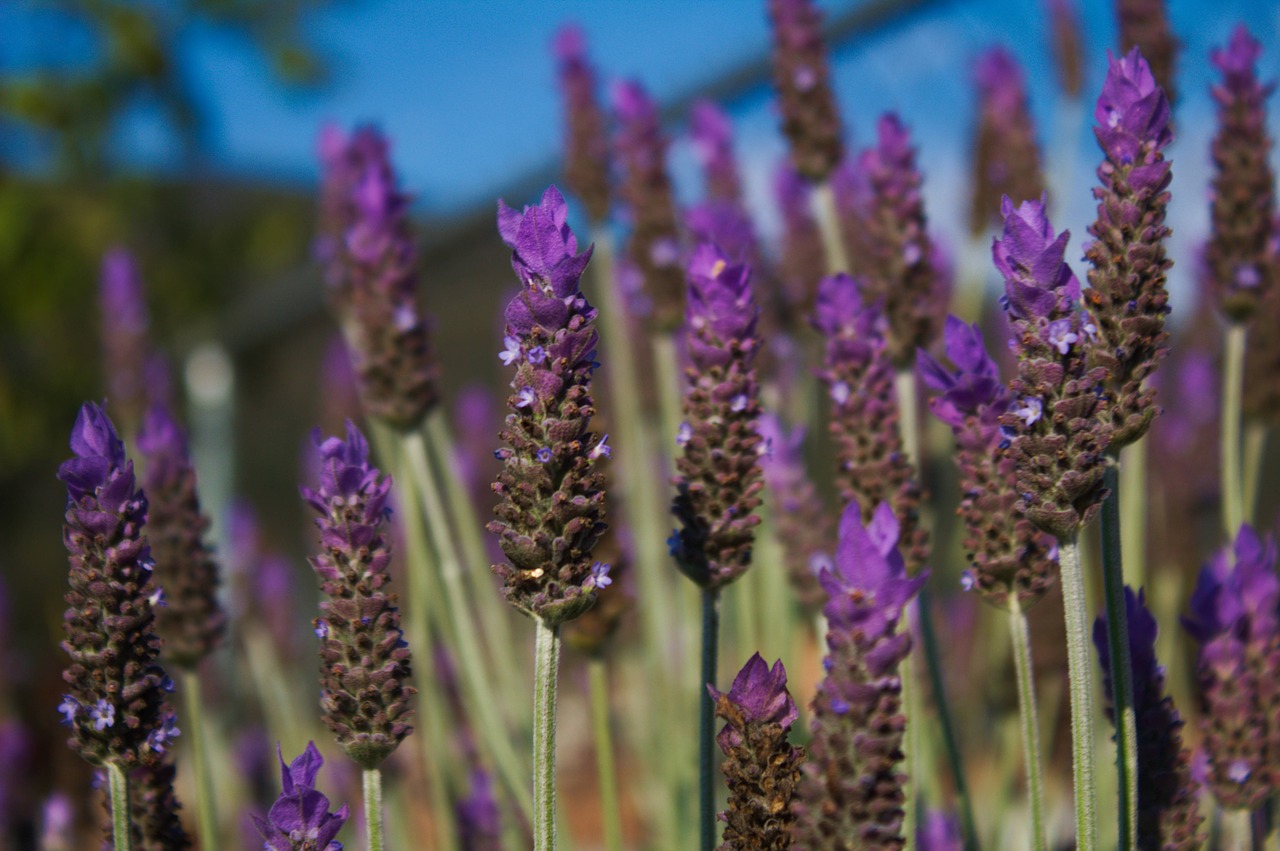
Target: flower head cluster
(1007, 554)
(1127, 300)
(852, 786)
(873, 466)
(894, 256)
(586, 144)
(802, 262)
(1235, 618)
(1168, 810)
(1060, 437)
(1068, 51)
(126, 349)
(191, 622)
(1144, 24)
(551, 488)
(761, 769)
(718, 475)
(654, 245)
(364, 660)
(804, 529)
(810, 117)
(300, 820)
(378, 269)
(116, 704)
(1006, 158)
(155, 810)
(1240, 255)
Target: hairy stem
(118, 783)
(206, 806)
(828, 216)
(545, 671)
(1030, 721)
(1232, 390)
(611, 811)
(373, 807)
(1121, 663)
(1076, 611)
(707, 718)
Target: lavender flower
(940, 832)
(551, 489)
(1235, 618)
(192, 622)
(802, 263)
(157, 823)
(1168, 813)
(761, 768)
(1059, 440)
(344, 160)
(1068, 52)
(1240, 256)
(895, 265)
(1007, 554)
(1144, 24)
(300, 820)
(795, 506)
(873, 467)
(810, 118)
(1006, 158)
(116, 699)
(1127, 300)
(126, 349)
(712, 134)
(365, 663)
(851, 786)
(654, 246)
(586, 142)
(479, 820)
(718, 475)
(385, 334)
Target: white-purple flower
(600, 575)
(537, 355)
(1030, 411)
(526, 397)
(1061, 336)
(601, 449)
(69, 708)
(102, 715)
(511, 353)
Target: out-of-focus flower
(586, 139)
(804, 529)
(1144, 24)
(802, 79)
(1006, 158)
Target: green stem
(121, 831)
(1121, 663)
(611, 810)
(1030, 719)
(206, 806)
(828, 216)
(670, 378)
(1255, 451)
(1133, 513)
(373, 807)
(707, 719)
(1075, 607)
(1232, 390)
(546, 669)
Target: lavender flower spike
(586, 145)
(124, 335)
(852, 786)
(1007, 554)
(940, 832)
(364, 660)
(1243, 207)
(385, 334)
(1127, 300)
(1059, 440)
(116, 705)
(810, 118)
(718, 477)
(761, 769)
(1235, 618)
(712, 134)
(300, 820)
(804, 527)
(1006, 157)
(1168, 810)
(802, 263)
(654, 245)
(551, 488)
(1144, 24)
(192, 621)
(1068, 52)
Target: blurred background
(185, 130)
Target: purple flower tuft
(300, 820)
(810, 117)
(1144, 24)
(586, 140)
(1006, 158)
(126, 348)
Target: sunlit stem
(1076, 611)
(1255, 450)
(1133, 513)
(373, 807)
(1232, 390)
(828, 216)
(611, 811)
(1030, 720)
(545, 673)
(118, 788)
(206, 806)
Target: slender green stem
(1075, 606)
(670, 378)
(611, 811)
(1121, 663)
(373, 807)
(1133, 513)
(1030, 719)
(828, 216)
(1255, 451)
(1232, 390)
(118, 783)
(707, 719)
(545, 671)
(206, 806)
